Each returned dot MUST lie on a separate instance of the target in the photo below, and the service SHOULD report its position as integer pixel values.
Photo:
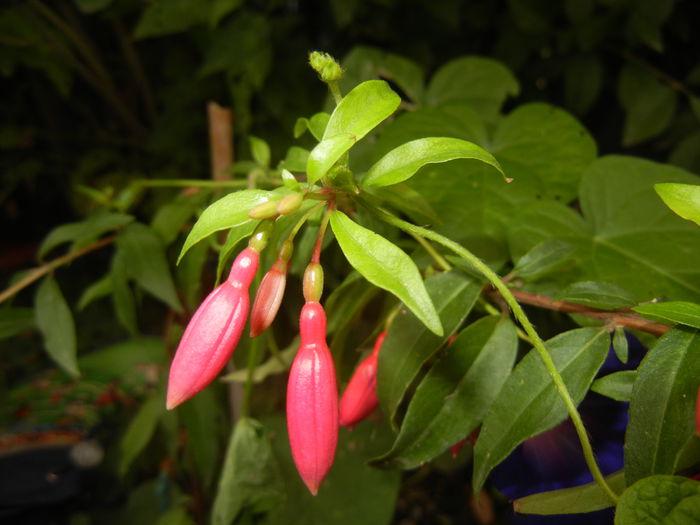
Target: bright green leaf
(456, 394)
(385, 265)
(662, 409)
(606, 296)
(325, 154)
(316, 125)
(260, 151)
(673, 311)
(16, 320)
(404, 161)
(528, 404)
(139, 431)
(228, 212)
(289, 180)
(683, 199)
(617, 386)
(660, 500)
(55, 322)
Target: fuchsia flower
(270, 292)
(360, 397)
(213, 332)
(312, 400)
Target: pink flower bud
(213, 332)
(268, 299)
(360, 397)
(312, 400)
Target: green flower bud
(325, 65)
(289, 203)
(266, 210)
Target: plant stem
(439, 259)
(335, 91)
(538, 344)
(316, 257)
(38, 272)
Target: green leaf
(169, 220)
(660, 500)
(404, 161)
(316, 125)
(617, 386)
(406, 199)
(84, 232)
(188, 276)
(14, 321)
(295, 160)
(325, 154)
(583, 80)
(228, 212)
(606, 296)
(97, 290)
(164, 17)
(545, 258)
(683, 199)
(528, 404)
(122, 296)
(636, 242)
(276, 364)
(144, 258)
(220, 8)
(409, 344)
(620, 344)
(662, 409)
(234, 236)
(455, 395)
(260, 151)
(92, 6)
(55, 322)
(121, 361)
(248, 477)
(648, 103)
(203, 417)
(385, 265)
(139, 431)
(574, 500)
(673, 311)
(481, 83)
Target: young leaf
(662, 408)
(606, 296)
(248, 476)
(620, 346)
(97, 290)
(574, 500)
(325, 154)
(402, 162)
(144, 257)
(295, 160)
(545, 258)
(84, 232)
(227, 212)
(55, 322)
(681, 312)
(290, 182)
(617, 386)
(456, 393)
(665, 500)
(385, 265)
(409, 344)
(260, 151)
(683, 199)
(316, 125)
(528, 404)
(139, 431)
(15, 320)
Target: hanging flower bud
(312, 400)
(360, 397)
(270, 292)
(289, 203)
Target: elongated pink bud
(312, 400)
(213, 332)
(270, 292)
(360, 397)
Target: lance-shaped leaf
(385, 265)
(140, 431)
(684, 199)
(55, 322)
(456, 393)
(666, 500)
(617, 386)
(662, 409)
(403, 162)
(15, 320)
(682, 312)
(544, 259)
(529, 404)
(357, 114)
(409, 344)
(227, 212)
(606, 296)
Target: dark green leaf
(409, 344)
(345, 303)
(545, 258)
(122, 295)
(234, 236)
(674, 312)
(404, 161)
(582, 82)
(248, 477)
(276, 364)
(662, 409)
(164, 17)
(617, 386)
(120, 361)
(144, 258)
(529, 404)
(170, 219)
(481, 83)
(620, 344)
(220, 8)
(228, 212)
(406, 199)
(455, 395)
(188, 275)
(660, 500)
(683, 199)
(92, 6)
(84, 232)
(55, 322)
(385, 265)
(16, 320)
(574, 500)
(140, 431)
(606, 296)
(97, 290)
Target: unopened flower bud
(289, 203)
(268, 298)
(261, 234)
(313, 282)
(265, 210)
(312, 400)
(213, 332)
(325, 65)
(360, 397)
